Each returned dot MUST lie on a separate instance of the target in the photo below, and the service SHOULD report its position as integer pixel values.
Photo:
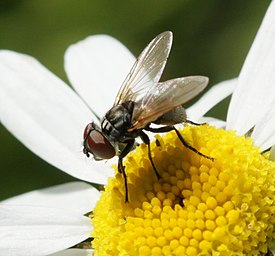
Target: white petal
(73, 252)
(78, 196)
(46, 116)
(255, 92)
(96, 67)
(40, 230)
(264, 132)
(216, 94)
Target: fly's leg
(121, 168)
(193, 123)
(183, 141)
(146, 140)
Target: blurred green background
(211, 37)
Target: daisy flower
(198, 207)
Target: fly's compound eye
(96, 144)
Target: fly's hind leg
(121, 168)
(146, 140)
(193, 123)
(186, 144)
(183, 141)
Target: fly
(143, 100)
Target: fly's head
(96, 143)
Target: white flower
(49, 117)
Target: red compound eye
(96, 144)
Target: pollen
(197, 207)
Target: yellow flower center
(198, 207)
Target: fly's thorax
(117, 121)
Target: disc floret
(198, 207)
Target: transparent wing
(147, 69)
(164, 97)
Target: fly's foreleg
(121, 168)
